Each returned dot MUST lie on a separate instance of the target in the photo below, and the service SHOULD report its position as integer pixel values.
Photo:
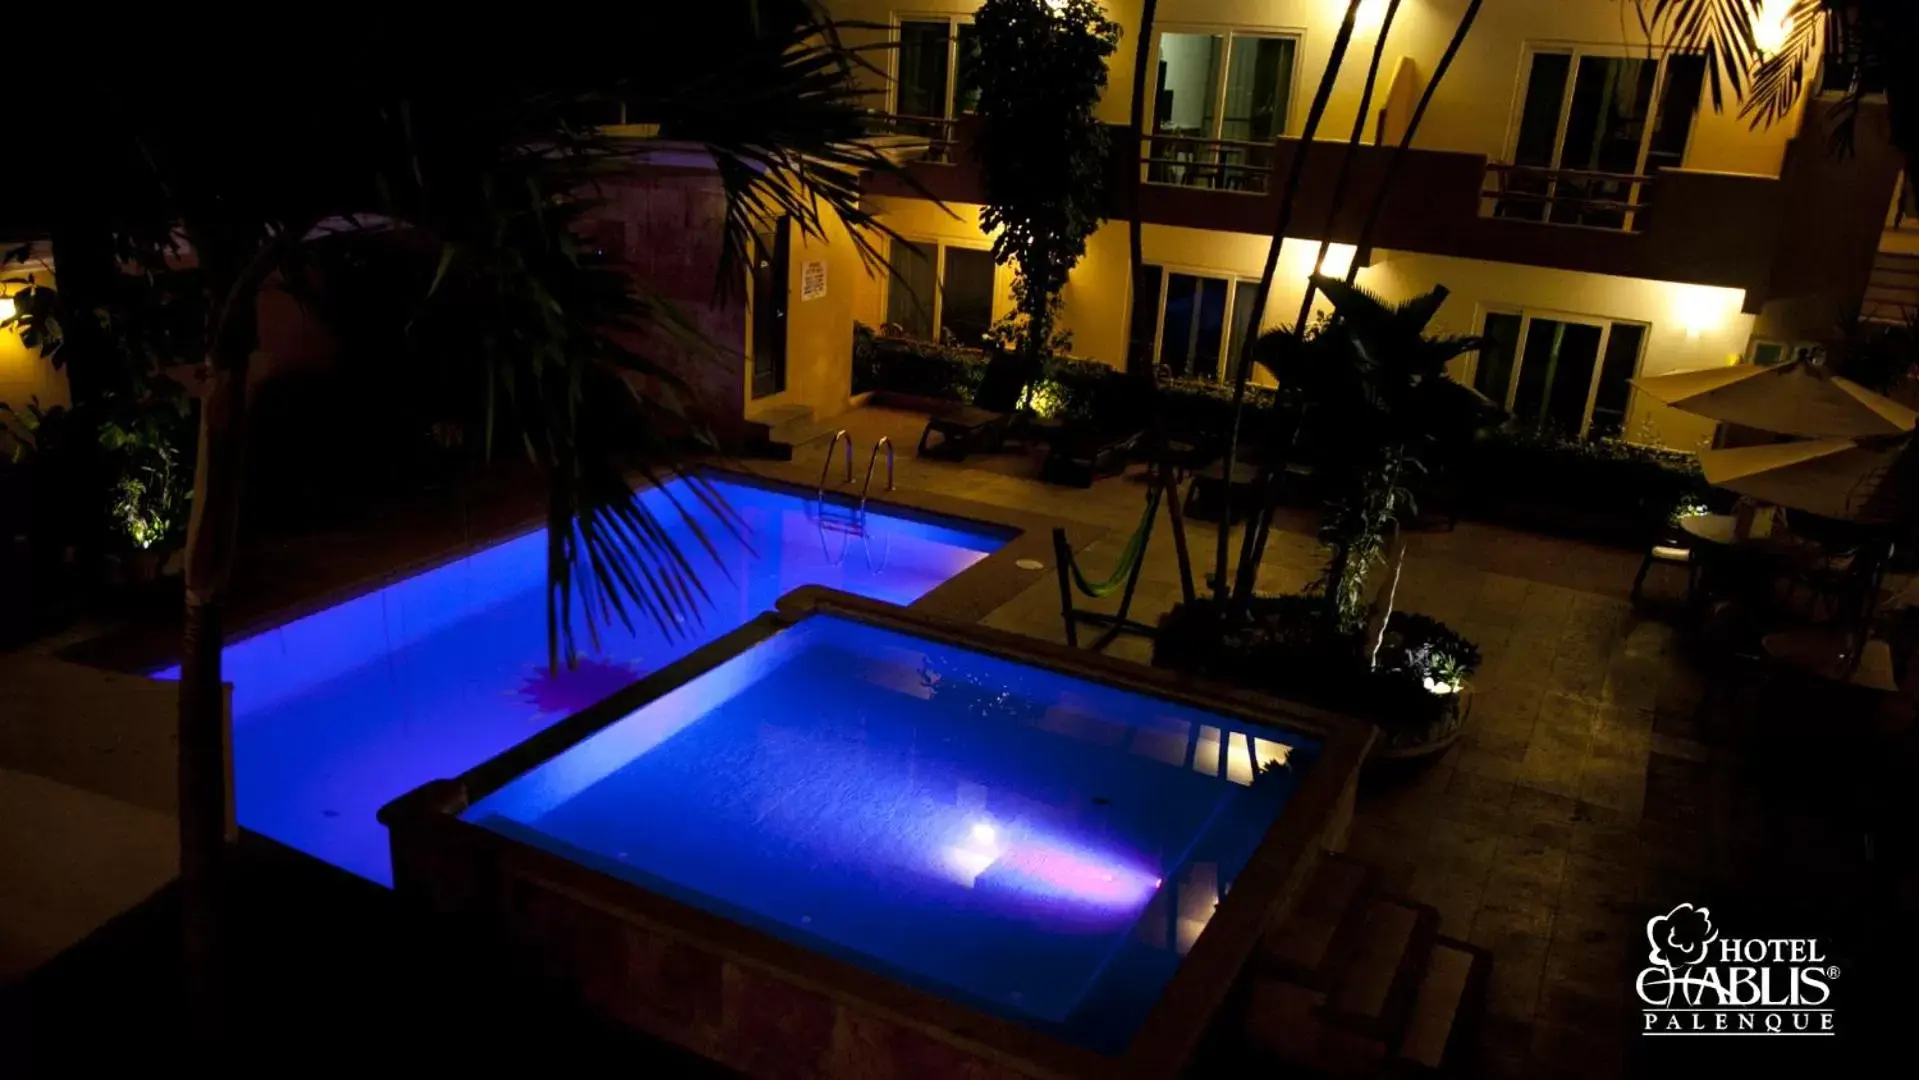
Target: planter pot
(1432, 738)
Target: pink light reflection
(1068, 874)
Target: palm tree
(1261, 524)
(1377, 396)
(1243, 366)
(1254, 549)
(1865, 36)
(242, 169)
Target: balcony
(1705, 228)
(1593, 200)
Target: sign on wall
(813, 280)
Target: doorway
(770, 284)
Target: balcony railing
(1216, 164)
(937, 132)
(1596, 200)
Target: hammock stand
(1125, 573)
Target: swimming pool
(1020, 849)
(338, 712)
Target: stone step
(1451, 998)
(1378, 983)
(1306, 945)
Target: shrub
(1604, 489)
(1290, 650)
(1072, 386)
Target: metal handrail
(1566, 190)
(872, 460)
(827, 465)
(1551, 173)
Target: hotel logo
(1698, 982)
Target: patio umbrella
(1794, 398)
(1865, 480)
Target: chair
(1669, 549)
(1083, 450)
(985, 423)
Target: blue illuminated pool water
(337, 713)
(1040, 846)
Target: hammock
(1129, 555)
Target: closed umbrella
(1865, 480)
(1795, 398)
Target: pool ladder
(872, 462)
(853, 523)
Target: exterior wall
(819, 358)
(667, 226)
(1691, 326)
(1475, 108)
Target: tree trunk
(1254, 549)
(1243, 372)
(1142, 60)
(1406, 141)
(204, 796)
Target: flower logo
(1680, 937)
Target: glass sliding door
(1565, 375)
(910, 295)
(1493, 370)
(938, 65)
(1188, 324)
(1590, 125)
(941, 293)
(1219, 102)
(966, 297)
(1195, 326)
(923, 58)
(1258, 87)
(1624, 343)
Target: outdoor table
(1719, 530)
(1723, 553)
(1206, 499)
(1823, 654)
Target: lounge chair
(984, 424)
(1085, 450)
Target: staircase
(1892, 294)
(1358, 983)
(775, 433)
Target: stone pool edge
(719, 988)
(143, 648)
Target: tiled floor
(1584, 793)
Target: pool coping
(466, 869)
(968, 596)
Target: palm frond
(1781, 76)
(787, 125)
(1720, 30)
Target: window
(1189, 324)
(940, 292)
(1590, 125)
(1566, 374)
(937, 82)
(1768, 353)
(1220, 101)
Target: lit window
(936, 80)
(939, 292)
(1219, 102)
(1189, 324)
(1560, 374)
(1591, 128)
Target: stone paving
(1586, 791)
